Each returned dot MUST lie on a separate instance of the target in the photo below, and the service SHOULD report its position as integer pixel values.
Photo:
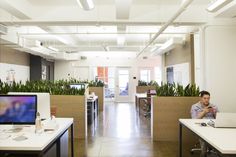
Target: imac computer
(18, 109)
(43, 101)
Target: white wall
(79, 69)
(219, 65)
(10, 71)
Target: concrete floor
(120, 132)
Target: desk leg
(139, 101)
(180, 140)
(72, 139)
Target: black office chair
(146, 108)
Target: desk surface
(92, 99)
(35, 142)
(141, 95)
(223, 139)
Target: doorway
(122, 91)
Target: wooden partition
(165, 114)
(99, 91)
(166, 111)
(144, 89)
(72, 106)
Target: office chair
(147, 107)
(196, 148)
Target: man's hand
(206, 110)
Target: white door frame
(118, 97)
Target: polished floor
(120, 132)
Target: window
(107, 75)
(145, 75)
(158, 76)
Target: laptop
(224, 120)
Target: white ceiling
(65, 26)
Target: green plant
(167, 89)
(97, 83)
(144, 83)
(60, 87)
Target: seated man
(204, 110)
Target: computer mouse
(203, 124)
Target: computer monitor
(43, 103)
(18, 109)
(77, 86)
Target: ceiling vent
(145, 57)
(83, 57)
(3, 29)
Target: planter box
(72, 106)
(99, 91)
(144, 89)
(166, 111)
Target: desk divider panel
(144, 89)
(72, 106)
(166, 112)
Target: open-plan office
(117, 78)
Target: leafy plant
(61, 87)
(168, 89)
(144, 83)
(97, 83)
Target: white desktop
(43, 103)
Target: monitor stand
(17, 128)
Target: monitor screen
(77, 86)
(18, 109)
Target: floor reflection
(120, 132)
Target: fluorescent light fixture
(155, 47)
(86, 4)
(53, 48)
(217, 4)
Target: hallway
(121, 133)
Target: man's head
(205, 97)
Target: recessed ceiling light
(86, 4)
(217, 4)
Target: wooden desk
(220, 139)
(52, 144)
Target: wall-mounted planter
(144, 89)
(100, 92)
(72, 106)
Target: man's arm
(202, 113)
(198, 113)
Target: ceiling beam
(123, 9)
(4, 4)
(94, 23)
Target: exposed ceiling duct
(182, 8)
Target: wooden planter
(75, 107)
(99, 91)
(144, 89)
(166, 111)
